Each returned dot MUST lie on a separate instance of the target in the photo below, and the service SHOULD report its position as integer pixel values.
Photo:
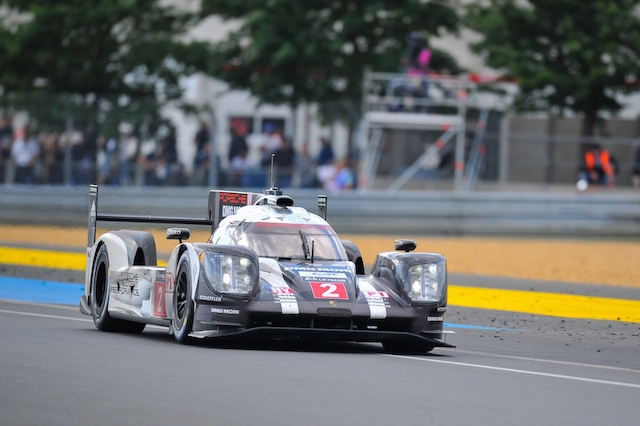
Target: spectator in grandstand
(598, 168)
(25, 153)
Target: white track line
(514, 370)
(549, 361)
(33, 314)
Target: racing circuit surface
(512, 365)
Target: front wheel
(405, 348)
(182, 320)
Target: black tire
(100, 297)
(405, 348)
(182, 318)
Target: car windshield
(287, 241)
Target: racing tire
(182, 318)
(100, 297)
(405, 348)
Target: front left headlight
(226, 273)
(426, 282)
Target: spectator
(271, 143)
(6, 140)
(344, 179)
(148, 161)
(106, 159)
(169, 146)
(127, 153)
(240, 164)
(53, 160)
(284, 161)
(598, 169)
(202, 140)
(326, 153)
(24, 153)
(238, 141)
(636, 169)
(305, 169)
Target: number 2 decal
(159, 308)
(329, 290)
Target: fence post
(503, 164)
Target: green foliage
(566, 54)
(290, 51)
(94, 51)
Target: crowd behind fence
(69, 158)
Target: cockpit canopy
(283, 241)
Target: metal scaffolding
(415, 102)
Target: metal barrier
(407, 213)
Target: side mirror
(405, 245)
(178, 234)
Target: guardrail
(406, 213)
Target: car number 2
(329, 290)
(159, 308)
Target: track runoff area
(491, 377)
(527, 302)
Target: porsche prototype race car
(269, 270)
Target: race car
(269, 271)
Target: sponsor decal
(329, 290)
(285, 297)
(377, 304)
(225, 311)
(229, 210)
(442, 308)
(210, 298)
(126, 283)
(170, 282)
(312, 269)
(382, 294)
(435, 319)
(233, 197)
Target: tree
(566, 54)
(102, 54)
(289, 51)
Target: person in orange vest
(598, 168)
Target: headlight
(426, 282)
(229, 274)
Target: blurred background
(449, 98)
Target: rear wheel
(405, 348)
(100, 297)
(182, 320)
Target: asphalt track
(508, 368)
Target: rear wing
(221, 204)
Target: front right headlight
(227, 273)
(426, 282)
